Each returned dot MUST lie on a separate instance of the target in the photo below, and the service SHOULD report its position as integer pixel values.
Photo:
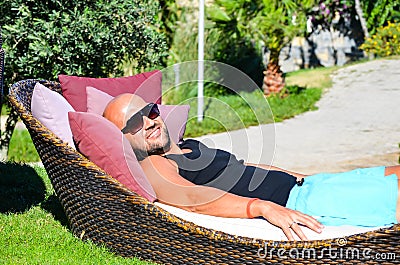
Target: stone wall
(324, 47)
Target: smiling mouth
(155, 133)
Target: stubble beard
(160, 148)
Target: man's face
(151, 139)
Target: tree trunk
(274, 80)
(362, 19)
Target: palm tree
(360, 15)
(270, 25)
(275, 25)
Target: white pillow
(51, 109)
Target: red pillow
(102, 143)
(147, 85)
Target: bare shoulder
(157, 158)
(159, 163)
(162, 171)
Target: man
(209, 181)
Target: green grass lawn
(21, 147)
(232, 112)
(33, 227)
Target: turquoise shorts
(361, 197)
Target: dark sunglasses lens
(154, 112)
(134, 124)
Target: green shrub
(94, 38)
(385, 42)
(377, 12)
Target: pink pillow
(97, 100)
(174, 116)
(102, 142)
(147, 85)
(51, 109)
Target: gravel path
(357, 124)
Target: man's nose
(148, 122)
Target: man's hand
(286, 219)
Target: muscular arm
(268, 167)
(173, 189)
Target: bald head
(120, 108)
(152, 137)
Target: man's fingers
(288, 220)
(296, 228)
(314, 225)
(310, 222)
(288, 233)
(313, 220)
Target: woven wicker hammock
(103, 211)
(1, 70)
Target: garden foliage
(332, 13)
(251, 30)
(385, 42)
(97, 38)
(43, 38)
(376, 12)
(379, 12)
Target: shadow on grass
(22, 188)
(52, 205)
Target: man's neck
(174, 149)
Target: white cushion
(259, 228)
(51, 109)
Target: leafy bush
(377, 12)
(45, 38)
(385, 42)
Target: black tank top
(220, 169)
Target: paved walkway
(357, 125)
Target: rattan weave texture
(103, 211)
(1, 70)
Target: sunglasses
(135, 123)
